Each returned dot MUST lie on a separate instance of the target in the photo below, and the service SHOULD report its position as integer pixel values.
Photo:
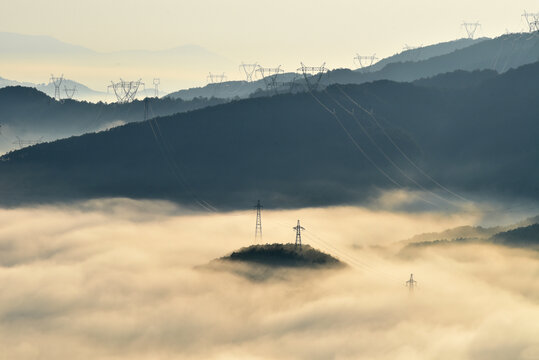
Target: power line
(375, 120)
(166, 153)
(384, 154)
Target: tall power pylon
(22, 143)
(258, 229)
(298, 229)
(269, 75)
(413, 51)
(365, 60)
(407, 47)
(70, 92)
(248, 70)
(156, 82)
(313, 75)
(57, 81)
(216, 78)
(410, 284)
(532, 19)
(125, 91)
(471, 28)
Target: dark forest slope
(291, 151)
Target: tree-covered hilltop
(283, 255)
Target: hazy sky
(279, 31)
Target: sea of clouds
(124, 279)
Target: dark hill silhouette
(459, 79)
(283, 255)
(25, 110)
(424, 52)
(521, 237)
(290, 151)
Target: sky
(243, 29)
(270, 33)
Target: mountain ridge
(292, 152)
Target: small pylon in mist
(411, 284)
(258, 229)
(298, 229)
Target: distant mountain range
(342, 145)
(178, 67)
(421, 53)
(524, 234)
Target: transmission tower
(70, 92)
(313, 75)
(57, 81)
(532, 19)
(216, 78)
(156, 83)
(22, 143)
(410, 284)
(407, 47)
(471, 28)
(248, 70)
(258, 229)
(365, 61)
(269, 75)
(125, 91)
(298, 229)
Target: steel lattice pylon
(248, 70)
(216, 78)
(313, 75)
(269, 76)
(298, 229)
(365, 60)
(411, 283)
(471, 28)
(125, 91)
(258, 229)
(57, 81)
(70, 92)
(532, 19)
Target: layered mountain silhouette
(339, 146)
(499, 54)
(521, 235)
(180, 65)
(28, 113)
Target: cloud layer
(118, 279)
